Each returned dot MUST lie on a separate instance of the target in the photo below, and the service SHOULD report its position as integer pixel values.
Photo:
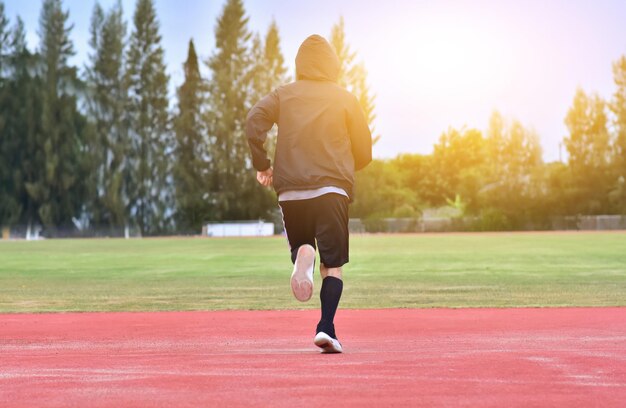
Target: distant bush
(375, 224)
(491, 219)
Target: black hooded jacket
(323, 137)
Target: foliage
(239, 75)
(353, 75)
(588, 146)
(57, 187)
(192, 151)
(10, 207)
(267, 73)
(151, 141)
(381, 192)
(106, 103)
(617, 195)
(230, 173)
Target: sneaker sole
(302, 276)
(327, 343)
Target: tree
(259, 73)
(9, 207)
(4, 46)
(513, 151)
(4, 39)
(274, 57)
(353, 76)
(617, 194)
(552, 186)
(149, 185)
(589, 154)
(361, 90)
(384, 190)
(20, 138)
(512, 165)
(192, 151)
(234, 192)
(459, 159)
(269, 63)
(344, 53)
(58, 187)
(418, 176)
(105, 105)
(269, 72)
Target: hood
(317, 60)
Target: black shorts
(323, 218)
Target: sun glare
(448, 59)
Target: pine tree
(151, 142)
(589, 154)
(361, 90)
(234, 192)
(344, 53)
(4, 38)
(21, 135)
(192, 155)
(618, 162)
(106, 102)
(268, 63)
(4, 48)
(273, 59)
(58, 188)
(269, 72)
(9, 208)
(258, 74)
(353, 76)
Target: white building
(239, 229)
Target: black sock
(329, 295)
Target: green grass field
(447, 270)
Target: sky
(431, 64)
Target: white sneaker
(327, 343)
(302, 275)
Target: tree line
(100, 146)
(498, 178)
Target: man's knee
(335, 272)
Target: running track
(420, 357)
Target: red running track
(432, 357)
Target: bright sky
(432, 64)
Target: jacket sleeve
(360, 136)
(260, 120)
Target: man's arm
(260, 120)
(360, 136)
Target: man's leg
(332, 239)
(332, 286)
(330, 294)
(300, 229)
(302, 275)
(336, 272)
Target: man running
(323, 138)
